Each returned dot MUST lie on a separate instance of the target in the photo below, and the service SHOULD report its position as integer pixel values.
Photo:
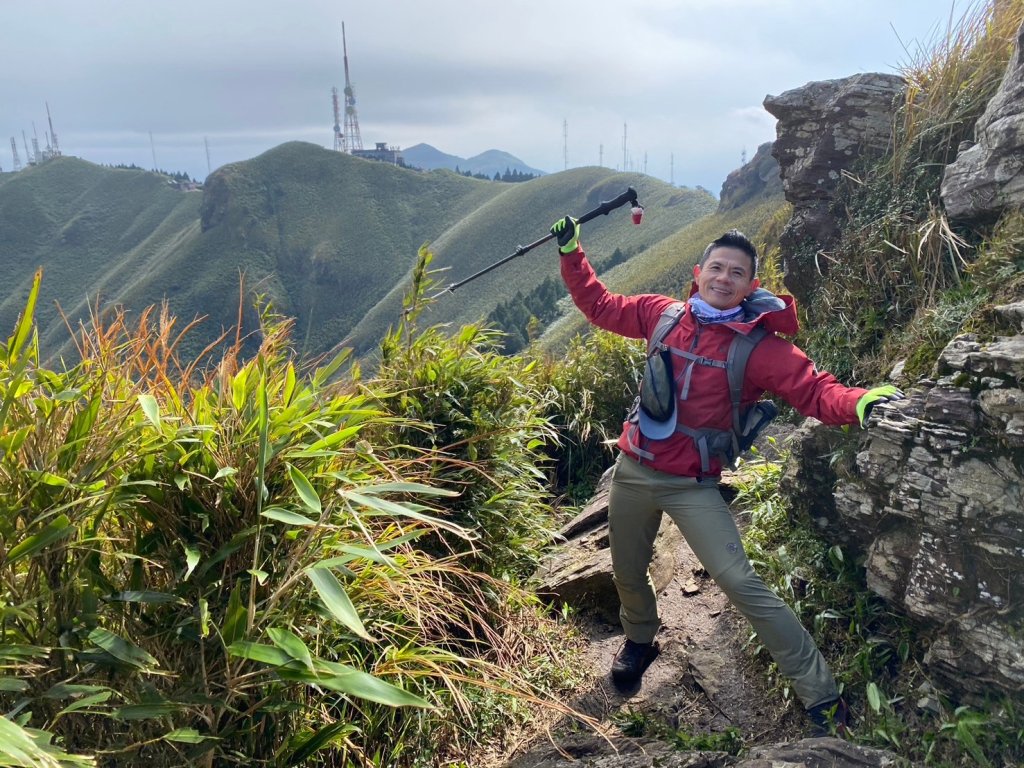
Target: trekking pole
(629, 196)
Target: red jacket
(775, 366)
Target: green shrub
(214, 566)
(460, 398)
(594, 383)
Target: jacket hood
(775, 313)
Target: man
(668, 470)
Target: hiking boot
(830, 717)
(631, 661)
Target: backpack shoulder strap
(736, 367)
(668, 320)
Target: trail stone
(579, 570)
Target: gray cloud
(687, 76)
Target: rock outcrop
(824, 128)
(758, 179)
(579, 571)
(988, 176)
(935, 501)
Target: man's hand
(568, 233)
(872, 397)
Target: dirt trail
(704, 681)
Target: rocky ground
(704, 682)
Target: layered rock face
(989, 176)
(758, 179)
(933, 493)
(936, 502)
(824, 128)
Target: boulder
(988, 175)
(932, 496)
(579, 570)
(824, 129)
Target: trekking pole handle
(629, 196)
(603, 209)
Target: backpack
(658, 394)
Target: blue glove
(568, 233)
(872, 397)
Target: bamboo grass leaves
(249, 561)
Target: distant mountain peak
(488, 163)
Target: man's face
(725, 279)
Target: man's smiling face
(726, 277)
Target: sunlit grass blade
(336, 600)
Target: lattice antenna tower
(339, 138)
(28, 153)
(14, 151)
(54, 146)
(625, 154)
(351, 140)
(565, 144)
(35, 143)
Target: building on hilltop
(381, 152)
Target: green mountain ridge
(521, 215)
(328, 239)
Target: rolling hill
(326, 238)
(521, 214)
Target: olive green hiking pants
(638, 497)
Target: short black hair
(733, 239)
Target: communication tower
(35, 144)
(14, 151)
(339, 139)
(28, 153)
(351, 139)
(54, 146)
(625, 154)
(565, 144)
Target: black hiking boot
(632, 661)
(830, 718)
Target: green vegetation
(329, 239)
(639, 724)
(900, 264)
(875, 652)
(522, 214)
(247, 563)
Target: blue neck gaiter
(705, 313)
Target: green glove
(874, 396)
(568, 233)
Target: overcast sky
(686, 77)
